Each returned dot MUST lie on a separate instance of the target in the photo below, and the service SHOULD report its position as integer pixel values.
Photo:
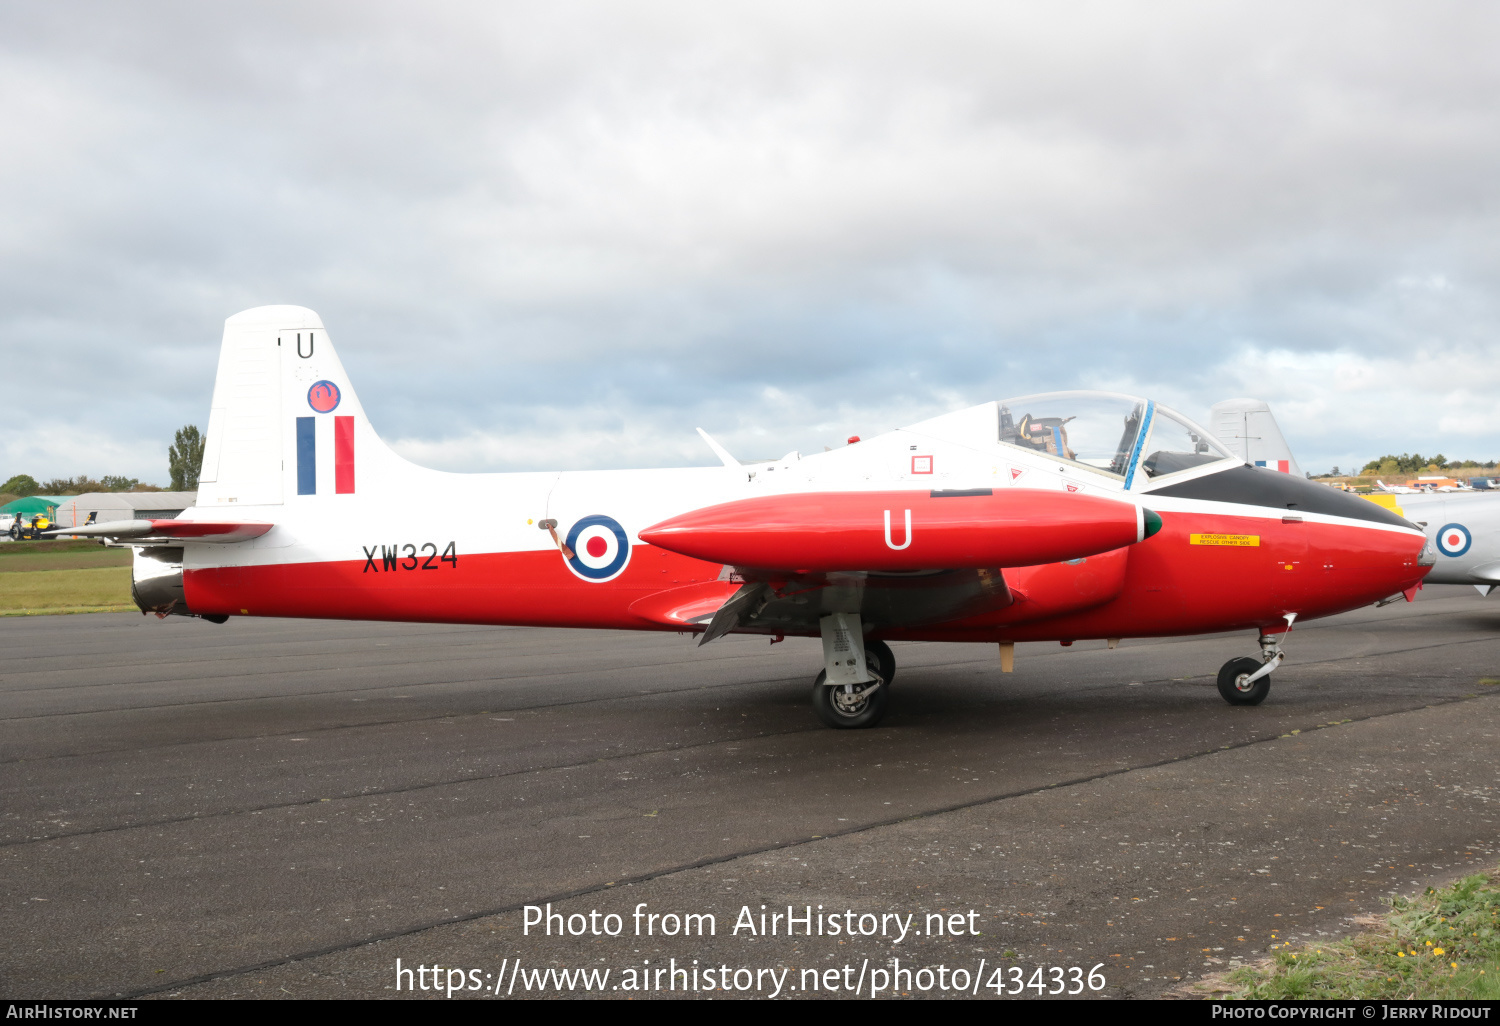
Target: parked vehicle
(23, 530)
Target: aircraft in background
(1462, 526)
(1047, 517)
(1465, 531)
(1247, 428)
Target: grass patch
(99, 589)
(1444, 944)
(65, 561)
(35, 548)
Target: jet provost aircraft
(1049, 517)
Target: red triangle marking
(1015, 472)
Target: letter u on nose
(888, 542)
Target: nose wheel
(1236, 685)
(1247, 681)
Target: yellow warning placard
(1246, 540)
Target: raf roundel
(600, 548)
(1454, 540)
(323, 396)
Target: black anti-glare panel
(1257, 486)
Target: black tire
(881, 660)
(868, 711)
(1233, 692)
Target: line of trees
(1413, 463)
(23, 485)
(184, 462)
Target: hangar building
(106, 506)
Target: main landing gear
(855, 683)
(1247, 681)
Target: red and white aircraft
(1048, 517)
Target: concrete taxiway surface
(275, 808)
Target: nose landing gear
(1246, 681)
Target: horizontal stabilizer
(176, 532)
(1487, 572)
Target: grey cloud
(546, 223)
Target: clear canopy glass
(1176, 443)
(1099, 430)
(1096, 429)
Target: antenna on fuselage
(719, 450)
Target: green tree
(22, 485)
(83, 484)
(1406, 463)
(72, 485)
(185, 459)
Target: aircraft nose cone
(1153, 522)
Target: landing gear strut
(854, 685)
(1247, 681)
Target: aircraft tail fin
(1248, 429)
(285, 425)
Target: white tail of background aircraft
(1248, 429)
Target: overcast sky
(562, 235)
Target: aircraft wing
(167, 532)
(758, 602)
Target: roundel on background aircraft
(600, 548)
(323, 396)
(1454, 540)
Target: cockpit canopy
(1113, 434)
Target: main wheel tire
(833, 704)
(881, 661)
(1231, 686)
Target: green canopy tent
(33, 505)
